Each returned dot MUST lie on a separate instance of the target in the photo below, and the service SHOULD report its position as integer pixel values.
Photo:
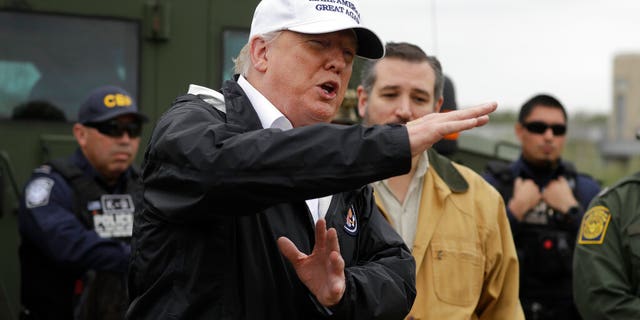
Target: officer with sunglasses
(76, 215)
(545, 199)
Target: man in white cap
(256, 206)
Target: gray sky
(508, 50)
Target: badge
(351, 222)
(116, 219)
(117, 204)
(594, 225)
(113, 225)
(38, 192)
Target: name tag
(116, 220)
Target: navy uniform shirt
(56, 247)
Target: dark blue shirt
(584, 187)
(56, 247)
(545, 247)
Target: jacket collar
(444, 169)
(441, 179)
(438, 184)
(541, 176)
(238, 107)
(449, 174)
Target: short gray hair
(406, 52)
(243, 60)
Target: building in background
(621, 143)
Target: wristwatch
(573, 211)
(567, 217)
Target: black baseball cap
(106, 103)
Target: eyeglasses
(540, 127)
(114, 128)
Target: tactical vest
(98, 210)
(544, 239)
(101, 294)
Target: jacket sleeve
(604, 273)
(499, 297)
(381, 283)
(219, 164)
(55, 230)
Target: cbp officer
(545, 199)
(76, 216)
(606, 263)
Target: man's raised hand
(323, 270)
(429, 129)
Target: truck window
(50, 62)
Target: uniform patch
(94, 205)
(117, 204)
(113, 225)
(116, 219)
(594, 225)
(38, 192)
(351, 222)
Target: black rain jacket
(220, 190)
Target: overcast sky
(508, 50)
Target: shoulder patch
(37, 192)
(594, 225)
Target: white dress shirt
(404, 215)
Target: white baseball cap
(316, 16)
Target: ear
(519, 130)
(80, 133)
(438, 105)
(258, 52)
(362, 101)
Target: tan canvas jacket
(466, 262)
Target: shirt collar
(423, 165)
(210, 96)
(269, 115)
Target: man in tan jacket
(453, 221)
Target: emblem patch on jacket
(594, 225)
(351, 222)
(38, 192)
(116, 219)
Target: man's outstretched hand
(425, 131)
(323, 270)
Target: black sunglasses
(540, 127)
(114, 128)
